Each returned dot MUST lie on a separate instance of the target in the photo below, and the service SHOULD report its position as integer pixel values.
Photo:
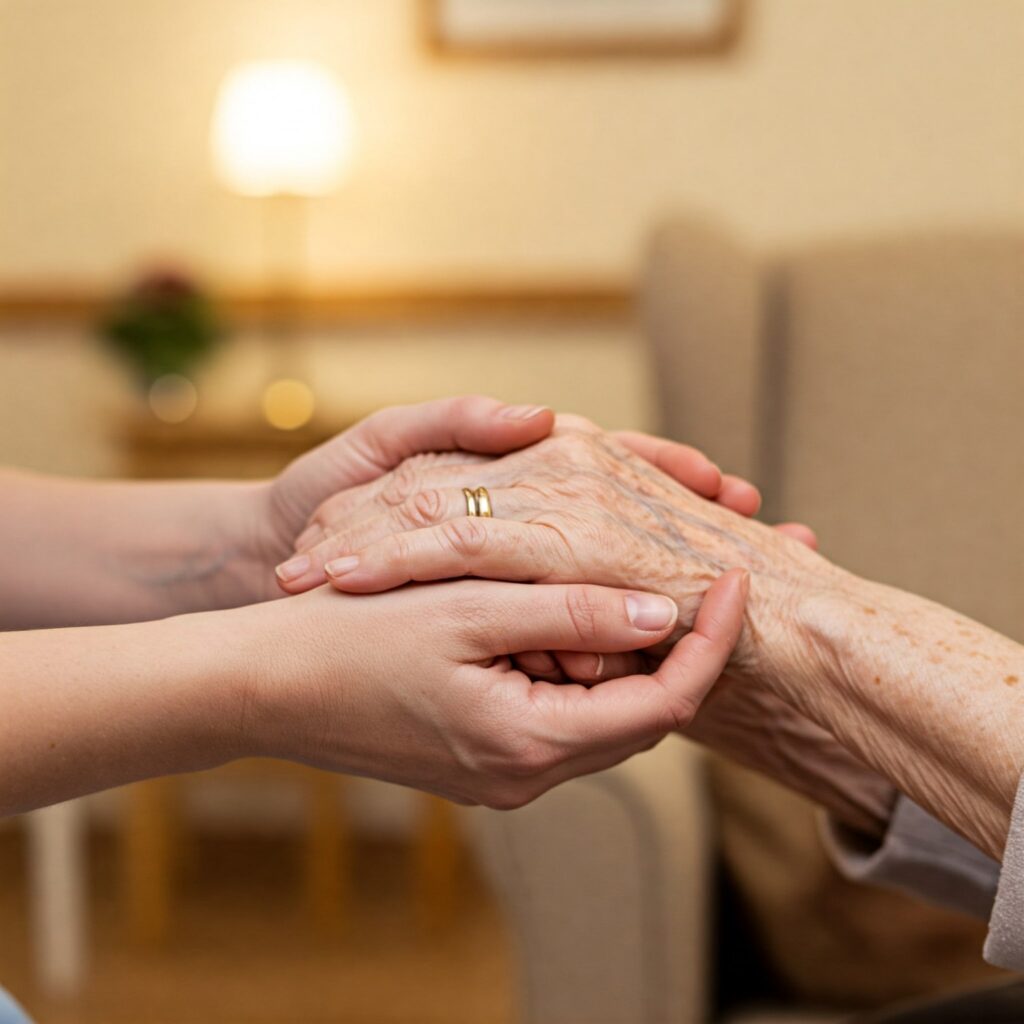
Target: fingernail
(293, 568)
(650, 612)
(597, 670)
(745, 583)
(523, 412)
(340, 566)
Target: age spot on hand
(1011, 680)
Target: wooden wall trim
(715, 43)
(381, 305)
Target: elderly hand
(451, 429)
(577, 506)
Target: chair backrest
(879, 395)
(702, 305)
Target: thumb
(509, 618)
(638, 708)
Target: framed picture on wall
(566, 28)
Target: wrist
(212, 654)
(787, 644)
(829, 622)
(273, 650)
(114, 704)
(243, 532)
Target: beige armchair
(873, 389)
(606, 884)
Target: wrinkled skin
(578, 506)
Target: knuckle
(401, 484)
(464, 536)
(574, 440)
(330, 511)
(530, 762)
(579, 447)
(515, 759)
(399, 552)
(583, 612)
(679, 714)
(573, 422)
(424, 508)
(684, 710)
(320, 517)
(470, 405)
(368, 440)
(372, 425)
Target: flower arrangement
(163, 324)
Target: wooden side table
(151, 834)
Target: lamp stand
(287, 399)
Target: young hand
(416, 686)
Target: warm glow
(281, 127)
(173, 398)
(288, 404)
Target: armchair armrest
(606, 886)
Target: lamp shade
(281, 127)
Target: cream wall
(833, 116)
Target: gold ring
(483, 503)
(478, 502)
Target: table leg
(437, 855)
(147, 859)
(327, 853)
(56, 838)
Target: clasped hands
(613, 559)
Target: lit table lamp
(283, 132)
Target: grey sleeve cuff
(1004, 946)
(921, 856)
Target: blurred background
(789, 231)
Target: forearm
(927, 698)
(87, 709)
(89, 552)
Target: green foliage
(163, 324)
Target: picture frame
(581, 28)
